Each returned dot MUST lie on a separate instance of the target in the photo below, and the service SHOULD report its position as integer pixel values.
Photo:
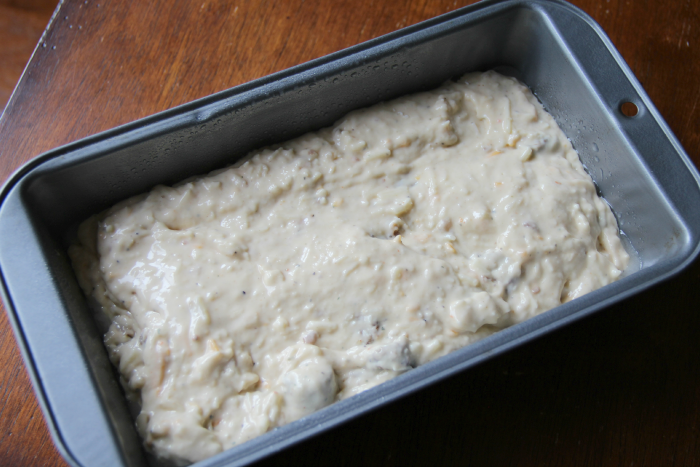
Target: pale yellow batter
(251, 297)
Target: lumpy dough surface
(251, 297)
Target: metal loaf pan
(554, 48)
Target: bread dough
(319, 268)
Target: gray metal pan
(565, 57)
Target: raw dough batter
(312, 271)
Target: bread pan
(557, 50)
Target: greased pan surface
(559, 52)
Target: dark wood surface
(619, 388)
(21, 25)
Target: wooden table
(621, 387)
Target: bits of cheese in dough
(321, 267)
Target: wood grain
(620, 387)
(21, 24)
